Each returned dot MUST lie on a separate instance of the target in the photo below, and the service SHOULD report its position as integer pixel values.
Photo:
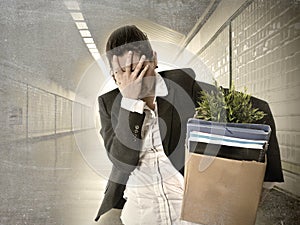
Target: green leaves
(227, 106)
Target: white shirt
(154, 190)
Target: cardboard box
(221, 191)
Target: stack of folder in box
(228, 140)
(224, 172)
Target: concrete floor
(49, 181)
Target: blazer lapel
(165, 114)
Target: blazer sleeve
(273, 170)
(121, 135)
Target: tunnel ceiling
(39, 39)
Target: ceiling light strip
(82, 27)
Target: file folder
(228, 140)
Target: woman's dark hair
(128, 38)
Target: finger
(155, 58)
(128, 62)
(115, 65)
(143, 73)
(139, 65)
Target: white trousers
(154, 193)
(147, 213)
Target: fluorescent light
(91, 45)
(88, 40)
(72, 5)
(77, 16)
(96, 56)
(81, 25)
(93, 50)
(85, 33)
(83, 29)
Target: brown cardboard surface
(223, 192)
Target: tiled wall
(63, 114)
(76, 115)
(216, 58)
(13, 113)
(32, 112)
(41, 108)
(87, 117)
(266, 59)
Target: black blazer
(121, 132)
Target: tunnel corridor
(53, 163)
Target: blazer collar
(160, 86)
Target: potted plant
(224, 135)
(227, 106)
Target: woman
(143, 127)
